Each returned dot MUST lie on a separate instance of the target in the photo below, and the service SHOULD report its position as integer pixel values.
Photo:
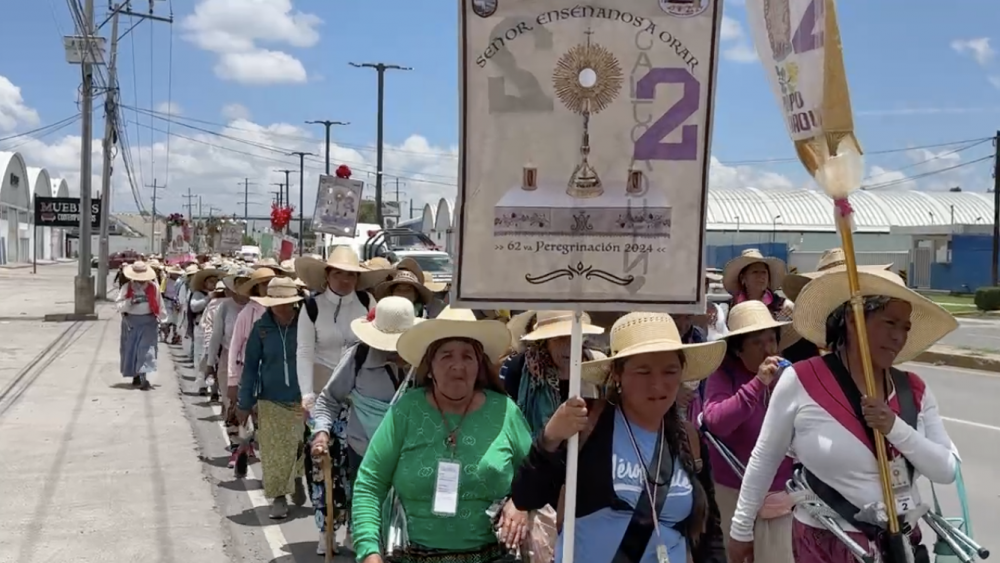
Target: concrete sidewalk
(94, 470)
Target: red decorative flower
(343, 171)
(371, 315)
(280, 216)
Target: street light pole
(380, 68)
(302, 191)
(327, 124)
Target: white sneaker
(321, 544)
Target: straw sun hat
(198, 279)
(754, 316)
(280, 291)
(832, 260)
(257, 277)
(313, 271)
(139, 271)
(826, 293)
(403, 277)
(646, 333)
(548, 324)
(449, 324)
(731, 272)
(393, 317)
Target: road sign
(79, 50)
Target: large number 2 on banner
(651, 146)
(806, 37)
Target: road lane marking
(970, 423)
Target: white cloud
(736, 46)
(978, 48)
(233, 30)
(995, 81)
(13, 111)
(235, 111)
(261, 67)
(738, 177)
(169, 108)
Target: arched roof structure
(39, 182)
(14, 188)
(428, 216)
(444, 218)
(875, 211)
(59, 187)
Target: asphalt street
(975, 334)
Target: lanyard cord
(451, 439)
(651, 484)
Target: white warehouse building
(19, 185)
(802, 219)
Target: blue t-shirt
(599, 534)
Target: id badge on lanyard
(902, 487)
(446, 488)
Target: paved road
(975, 334)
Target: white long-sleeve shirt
(324, 342)
(796, 425)
(139, 304)
(207, 322)
(222, 329)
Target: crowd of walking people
(447, 429)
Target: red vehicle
(116, 260)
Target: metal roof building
(805, 211)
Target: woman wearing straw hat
(367, 378)
(819, 410)
(325, 329)
(457, 421)
(537, 376)
(636, 452)
(141, 306)
(255, 286)
(268, 382)
(207, 325)
(754, 277)
(171, 297)
(736, 397)
(407, 285)
(202, 286)
(222, 336)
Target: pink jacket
(241, 332)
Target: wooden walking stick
(329, 532)
(800, 47)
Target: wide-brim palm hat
(267, 262)
(393, 317)
(139, 271)
(753, 316)
(198, 279)
(280, 291)
(731, 272)
(174, 271)
(235, 278)
(287, 267)
(403, 277)
(433, 286)
(544, 325)
(823, 295)
(313, 272)
(832, 260)
(257, 277)
(191, 269)
(451, 324)
(645, 333)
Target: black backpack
(313, 310)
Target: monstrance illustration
(586, 80)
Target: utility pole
(86, 51)
(152, 217)
(277, 195)
(246, 206)
(200, 216)
(302, 163)
(110, 139)
(380, 68)
(281, 193)
(327, 124)
(996, 210)
(189, 206)
(288, 190)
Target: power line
(867, 153)
(42, 130)
(925, 161)
(892, 183)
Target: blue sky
(919, 74)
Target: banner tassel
(842, 208)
